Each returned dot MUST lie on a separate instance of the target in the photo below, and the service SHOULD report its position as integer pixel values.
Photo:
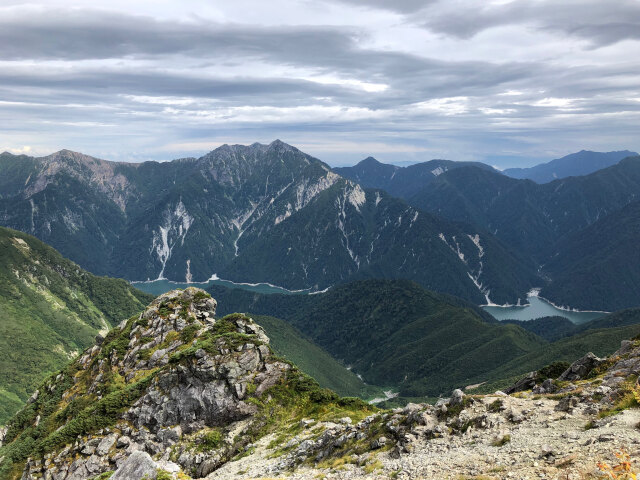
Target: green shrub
(189, 333)
(552, 371)
(210, 440)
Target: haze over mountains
(580, 163)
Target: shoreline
(535, 293)
(214, 278)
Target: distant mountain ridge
(258, 213)
(401, 182)
(583, 162)
(555, 222)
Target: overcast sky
(511, 83)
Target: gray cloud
(95, 79)
(400, 6)
(600, 23)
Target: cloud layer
(510, 83)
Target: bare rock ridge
(160, 383)
(177, 393)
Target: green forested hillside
(288, 342)
(599, 267)
(395, 333)
(50, 310)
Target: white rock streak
(173, 229)
(354, 195)
(438, 171)
(473, 276)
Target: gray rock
(567, 404)
(136, 467)
(379, 443)
(625, 347)
(526, 383)
(105, 444)
(456, 397)
(123, 442)
(581, 368)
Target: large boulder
(139, 465)
(581, 368)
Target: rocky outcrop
(581, 368)
(183, 379)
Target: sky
(509, 83)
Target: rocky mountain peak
(162, 382)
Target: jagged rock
(546, 387)
(526, 383)
(580, 368)
(106, 444)
(379, 443)
(3, 433)
(138, 466)
(625, 347)
(33, 397)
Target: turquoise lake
(539, 307)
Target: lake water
(539, 307)
(158, 287)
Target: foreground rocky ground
(174, 393)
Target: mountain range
(558, 224)
(583, 162)
(401, 182)
(577, 230)
(273, 214)
(258, 213)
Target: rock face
(187, 376)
